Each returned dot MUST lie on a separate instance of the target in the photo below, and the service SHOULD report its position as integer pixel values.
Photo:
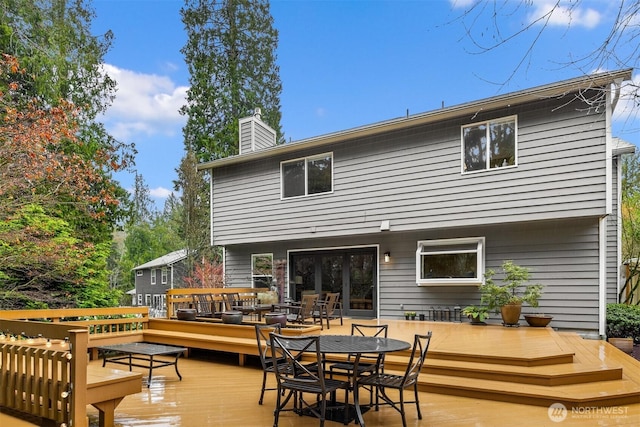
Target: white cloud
(160, 192)
(565, 15)
(461, 3)
(144, 104)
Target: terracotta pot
(186, 314)
(624, 344)
(232, 317)
(537, 320)
(273, 318)
(511, 314)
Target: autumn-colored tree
(44, 175)
(205, 274)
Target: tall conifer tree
(231, 55)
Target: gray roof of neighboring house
(539, 92)
(164, 260)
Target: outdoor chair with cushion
(382, 382)
(298, 379)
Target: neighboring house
(155, 277)
(408, 214)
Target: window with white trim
(307, 176)
(153, 276)
(450, 262)
(139, 299)
(490, 144)
(164, 275)
(262, 270)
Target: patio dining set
(302, 369)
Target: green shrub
(623, 321)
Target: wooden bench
(43, 373)
(107, 387)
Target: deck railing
(45, 376)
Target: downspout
(210, 207)
(602, 276)
(611, 100)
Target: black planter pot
(273, 318)
(186, 314)
(232, 317)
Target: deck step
(564, 368)
(618, 392)
(560, 374)
(513, 360)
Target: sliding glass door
(350, 271)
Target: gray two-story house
(408, 214)
(155, 277)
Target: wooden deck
(474, 375)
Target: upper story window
(153, 276)
(164, 275)
(489, 145)
(262, 270)
(450, 261)
(307, 175)
(138, 273)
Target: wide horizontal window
(450, 261)
(489, 145)
(307, 176)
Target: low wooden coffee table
(142, 355)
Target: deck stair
(533, 366)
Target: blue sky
(342, 64)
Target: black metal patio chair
(381, 381)
(298, 379)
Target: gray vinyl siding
(562, 255)
(413, 179)
(255, 135)
(264, 137)
(245, 136)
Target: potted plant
(623, 326)
(508, 297)
(477, 314)
(410, 315)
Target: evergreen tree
(194, 203)
(231, 55)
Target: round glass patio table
(356, 345)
